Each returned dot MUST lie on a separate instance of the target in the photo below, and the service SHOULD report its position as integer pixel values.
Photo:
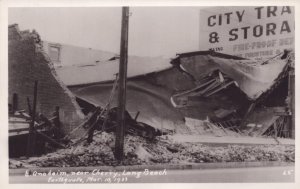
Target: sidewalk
(230, 139)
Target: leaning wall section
(28, 63)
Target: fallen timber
(32, 131)
(102, 121)
(105, 119)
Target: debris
(142, 153)
(18, 163)
(172, 149)
(222, 113)
(139, 150)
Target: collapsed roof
(106, 70)
(252, 77)
(199, 85)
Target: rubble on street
(139, 150)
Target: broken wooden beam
(50, 139)
(196, 88)
(223, 86)
(137, 115)
(91, 118)
(29, 106)
(56, 121)
(15, 102)
(31, 136)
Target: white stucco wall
(72, 55)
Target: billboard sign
(250, 32)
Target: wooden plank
(31, 137)
(50, 139)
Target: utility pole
(120, 131)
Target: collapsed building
(27, 64)
(229, 92)
(197, 93)
(242, 95)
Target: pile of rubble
(142, 151)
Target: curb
(224, 165)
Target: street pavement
(228, 175)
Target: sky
(153, 31)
